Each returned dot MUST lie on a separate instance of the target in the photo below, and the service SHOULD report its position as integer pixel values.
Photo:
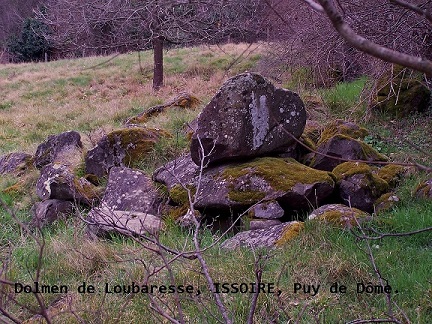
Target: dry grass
(89, 95)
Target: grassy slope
(41, 99)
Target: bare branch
(314, 5)
(371, 48)
(423, 12)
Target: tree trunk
(158, 62)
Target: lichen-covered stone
(57, 181)
(248, 117)
(122, 147)
(343, 148)
(103, 221)
(424, 190)
(340, 215)
(357, 186)
(64, 148)
(291, 184)
(48, 211)
(15, 163)
(130, 190)
(260, 238)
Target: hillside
(302, 279)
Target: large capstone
(248, 117)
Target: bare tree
(98, 27)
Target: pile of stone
(253, 155)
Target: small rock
(358, 186)
(260, 238)
(424, 190)
(48, 211)
(267, 210)
(15, 163)
(57, 181)
(65, 148)
(339, 214)
(102, 221)
(130, 190)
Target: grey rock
(102, 221)
(259, 238)
(248, 117)
(65, 148)
(48, 211)
(267, 210)
(343, 148)
(15, 163)
(179, 171)
(130, 190)
(263, 223)
(57, 181)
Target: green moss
(135, 141)
(289, 233)
(385, 202)
(308, 142)
(371, 154)
(177, 212)
(347, 169)
(343, 128)
(391, 173)
(279, 173)
(248, 197)
(179, 194)
(369, 180)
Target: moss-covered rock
(339, 215)
(358, 186)
(292, 184)
(386, 202)
(424, 189)
(122, 147)
(391, 173)
(401, 92)
(342, 127)
(291, 231)
(343, 148)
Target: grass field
(93, 96)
